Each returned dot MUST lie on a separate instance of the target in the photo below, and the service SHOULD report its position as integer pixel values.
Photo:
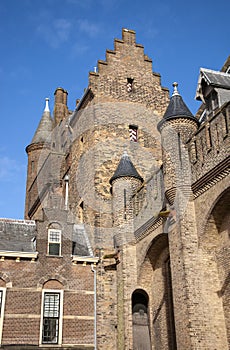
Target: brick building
(126, 237)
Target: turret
(37, 150)
(60, 106)
(176, 127)
(125, 182)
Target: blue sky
(50, 43)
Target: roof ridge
(214, 71)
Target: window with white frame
(52, 317)
(2, 307)
(54, 242)
(1, 292)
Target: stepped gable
(120, 76)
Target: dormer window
(54, 242)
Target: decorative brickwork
(126, 239)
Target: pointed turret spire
(175, 90)
(125, 168)
(176, 108)
(47, 105)
(45, 126)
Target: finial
(125, 154)
(175, 91)
(47, 105)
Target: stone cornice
(211, 178)
(17, 255)
(150, 225)
(85, 259)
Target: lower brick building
(125, 242)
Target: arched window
(52, 312)
(54, 239)
(141, 333)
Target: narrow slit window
(209, 138)
(130, 84)
(179, 148)
(125, 205)
(133, 133)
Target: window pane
(54, 236)
(54, 249)
(51, 305)
(50, 330)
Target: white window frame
(55, 291)
(50, 241)
(3, 292)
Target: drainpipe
(66, 179)
(95, 306)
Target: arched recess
(155, 278)
(52, 279)
(215, 244)
(140, 317)
(53, 284)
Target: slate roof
(215, 78)
(44, 129)
(176, 108)
(81, 245)
(125, 168)
(224, 96)
(220, 81)
(17, 235)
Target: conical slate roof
(45, 126)
(125, 168)
(176, 106)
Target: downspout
(66, 179)
(95, 306)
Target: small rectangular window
(133, 132)
(54, 242)
(130, 84)
(51, 318)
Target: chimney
(60, 107)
